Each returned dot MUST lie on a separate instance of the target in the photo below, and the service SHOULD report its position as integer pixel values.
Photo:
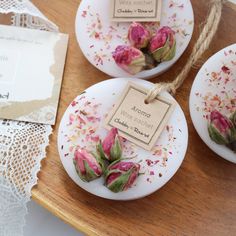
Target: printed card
(137, 121)
(31, 70)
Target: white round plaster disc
(82, 124)
(98, 36)
(214, 88)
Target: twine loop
(157, 89)
(202, 44)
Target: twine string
(202, 44)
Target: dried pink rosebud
(121, 175)
(111, 149)
(233, 118)
(221, 128)
(163, 45)
(138, 36)
(130, 59)
(232, 145)
(89, 166)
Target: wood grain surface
(199, 200)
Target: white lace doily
(22, 145)
(26, 15)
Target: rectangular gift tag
(135, 10)
(136, 121)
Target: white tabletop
(40, 222)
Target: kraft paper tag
(135, 10)
(136, 121)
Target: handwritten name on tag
(136, 121)
(135, 10)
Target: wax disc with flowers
(98, 36)
(82, 125)
(214, 89)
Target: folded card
(31, 70)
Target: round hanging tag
(83, 125)
(98, 36)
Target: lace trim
(22, 147)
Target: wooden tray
(199, 200)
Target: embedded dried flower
(111, 149)
(130, 59)
(89, 166)
(233, 118)
(163, 44)
(121, 175)
(221, 129)
(138, 36)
